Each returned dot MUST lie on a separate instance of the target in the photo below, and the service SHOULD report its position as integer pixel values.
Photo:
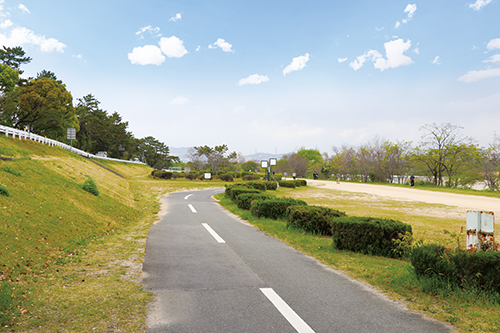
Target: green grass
(468, 311)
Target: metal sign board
(480, 229)
(71, 133)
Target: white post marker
(213, 233)
(287, 312)
(192, 208)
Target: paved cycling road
(213, 273)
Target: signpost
(71, 134)
(268, 166)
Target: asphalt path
(211, 272)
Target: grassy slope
(71, 260)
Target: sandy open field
(458, 202)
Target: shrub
(244, 200)
(10, 170)
(252, 176)
(315, 219)
(234, 192)
(273, 208)
(368, 235)
(287, 183)
(300, 182)
(162, 174)
(271, 185)
(459, 268)
(226, 177)
(4, 191)
(192, 175)
(90, 186)
(178, 175)
(256, 185)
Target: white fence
(27, 135)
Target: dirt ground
(457, 201)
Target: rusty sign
(480, 230)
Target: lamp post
(268, 166)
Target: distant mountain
(182, 153)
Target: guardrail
(35, 137)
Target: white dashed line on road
(187, 196)
(287, 312)
(192, 208)
(213, 233)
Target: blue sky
(271, 76)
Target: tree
(396, 159)
(214, 158)
(155, 153)
(440, 149)
(14, 57)
(8, 79)
(42, 106)
(48, 75)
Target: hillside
(67, 254)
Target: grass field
(72, 262)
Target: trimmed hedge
(271, 185)
(315, 219)
(368, 235)
(226, 177)
(234, 192)
(287, 183)
(162, 174)
(274, 208)
(253, 176)
(300, 182)
(461, 268)
(244, 200)
(256, 185)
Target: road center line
(187, 196)
(213, 233)
(192, 208)
(287, 312)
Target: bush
(300, 182)
(90, 186)
(226, 177)
(261, 186)
(274, 208)
(315, 219)
(178, 175)
(192, 175)
(287, 183)
(252, 176)
(244, 200)
(4, 191)
(271, 185)
(368, 235)
(234, 191)
(460, 268)
(162, 174)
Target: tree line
(42, 105)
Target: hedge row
(314, 219)
(368, 235)
(461, 268)
(274, 208)
(244, 201)
(162, 174)
(293, 183)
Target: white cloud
(147, 55)
(21, 36)
(173, 47)
(24, 8)
(479, 4)
(297, 64)
(359, 61)
(179, 100)
(394, 51)
(410, 9)
(494, 58)
(6, 24)
(176, 17)
(417, 51)
(493, 44)
(341, 60)
(474, 76)
(225, 46)
(397, 25)
(253, 79)
(436, 61)
(198, 48)
(149, 29)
